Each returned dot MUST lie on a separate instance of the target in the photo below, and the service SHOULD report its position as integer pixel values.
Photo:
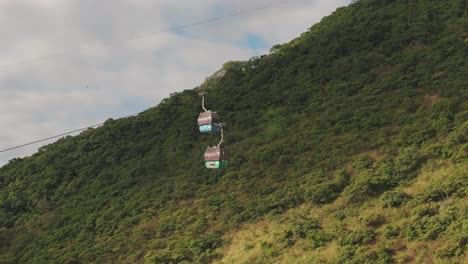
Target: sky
(70, 64)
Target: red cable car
(208, 121)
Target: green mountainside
(348, 145)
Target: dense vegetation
(348, 145)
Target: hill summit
(347, 145)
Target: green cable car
(216, 158)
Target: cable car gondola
(208, 121)
(216, 157)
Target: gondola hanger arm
(222, 136)
(202, 94)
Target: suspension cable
(222, 136)
(203, 100)
(57, 136)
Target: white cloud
(68, 64)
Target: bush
(381, 255)
(346, 253)
(303, 228)
(402, 167)
(358, 237)
(457, 233)
(363, 163)
(391, 231)
(308, 229)
(327, 192)
(424, 210)
(449, 250)
(373, 220)
(340, 215)
(456, 184)
(408, 161)
(324, 193)
(394, 199)
(426, 226)
(367, 185)
(268, 250)
(318, 238)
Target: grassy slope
(419, 231)
(365, 110)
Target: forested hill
(348, 145)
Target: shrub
(367, 185)
(308, 229)
(363, 163)
(373, 220)
(403, 167)
(456, 184)
(381, 255)
(340, 215)
(394, 199)
(358, 237)
(288, 238)
(346, 253)
(391, 231)
(303, 228)
(318, 238)
(407, 161)
(324, 193)
(426, 224)
(449, 250)
(327, 192)
(268, 250)
(457, 233)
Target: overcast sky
(67, 64)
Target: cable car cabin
(209, 122)
(216, 158)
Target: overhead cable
(56, 136)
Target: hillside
(348, 145)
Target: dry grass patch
(431, 174)
(298, 255)
(245, 246)
(374, 154)
(246, 241)
(430, 100)
(420, 252)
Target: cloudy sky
(67, 64)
